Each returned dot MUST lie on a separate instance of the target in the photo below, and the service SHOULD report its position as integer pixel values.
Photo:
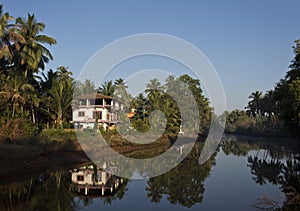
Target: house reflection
(92, 180)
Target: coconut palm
(108, 88)
(254, 105)
(33, 54)
(9, 36)
(87, 87)
(16, 92)
(153, 89)
(121, 87)
(60, 95)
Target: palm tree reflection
(286, 174)
(184, 185)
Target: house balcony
(91, 120)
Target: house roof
(93, 96)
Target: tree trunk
(33, 115)
(59, 119)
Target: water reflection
(48, 191)
(93, 180)
(184, 185)
(276, 162)
(285, 174)
(77, 187)
(89, 182)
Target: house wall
(89, 114)
(87, 121)
(88, 177)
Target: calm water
(242, 175)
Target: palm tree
(254, 105)
(120, 86)
(63, 73)
(16, 92)
(87, 87)
(170, 83)
(57, 96)
(153, 89)
(9, 37)
(61, 100)
(120, 83)
(108, 88)
(33, 55)
(61, 95)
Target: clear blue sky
(248, 42)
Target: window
(97, 114)
(81, 113)
(80, 178)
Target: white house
(86, 176)
(92, 179)
(90, 108)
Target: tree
(254, 105)
(108, 88)
(287, 94)
(87, 87)
(33, 55)
(9, 37)
(183, 185)
(58, 95)
(202, 102)
(294, 92)
(153, 89)
(17, 92)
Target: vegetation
(51, 190)
(240, 122)
(36, 113)
(27, 99)
(183, 185)
(274, 112)
(30, 102)
(33, 99)
(158, 97)
(275, 163)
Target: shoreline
(19, 159)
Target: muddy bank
(18, 162)
(22, 159)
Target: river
(243, 174)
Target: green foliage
(23, 93)
(61, 95)
(279, 105)
(183, 185)
(58, 135)
(238, 121)
(159, 98)
(56, 140)
(87, 87)
(287, 93)
(140, 125)
(108, 88)
(16, 129)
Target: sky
(249, 43)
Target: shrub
(17, 129)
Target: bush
(17, 129)
(58, 135)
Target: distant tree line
(156, 97)
(274, 111)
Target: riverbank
(53, 148)
(59, 147)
